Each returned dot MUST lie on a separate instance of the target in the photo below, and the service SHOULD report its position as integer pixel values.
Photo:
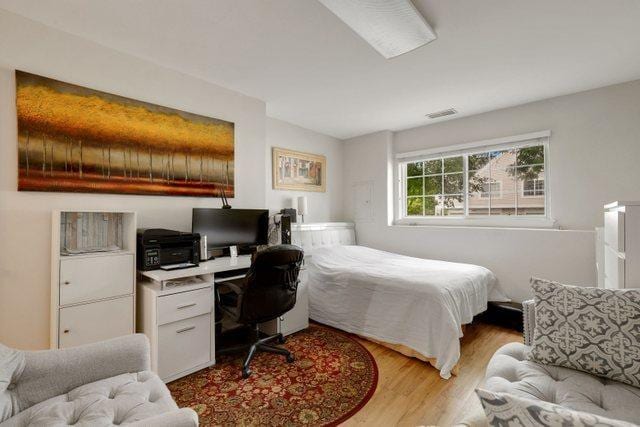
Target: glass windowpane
(453, 164)
(414, 187)
(433, 185)
(453, 183)
(414, 206)
(530, 155)
(430, 205)
(478, 205)
(478, 161)
(433, 167)
(414, 169)
(453, 205)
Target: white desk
(179, 320)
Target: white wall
(593, 149)
(25, 224)
(593, 159)
(325, 206)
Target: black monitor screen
(229, 227)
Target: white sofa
(102, 384)
(508, 371)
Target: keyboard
(170, 267)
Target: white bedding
(397, 299)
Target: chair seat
(509, 372)
(113, 401)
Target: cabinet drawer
(172, 308)
(96, 321)
(88, 279)
(613, 269)
(183, 345)
(614, 230)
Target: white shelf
(95, 254)
(207, 267)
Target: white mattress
(415, 302)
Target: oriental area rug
(332, 378)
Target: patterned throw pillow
(589, 329)
(504, 409)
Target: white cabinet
(178, 322)
(622, 245)
(92, 292)
(295, 319)
(87, 323)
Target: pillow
(504, 409)
(588, 329)
(11, 367)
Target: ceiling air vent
(443, 113)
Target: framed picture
(75, 139)
(293, 170)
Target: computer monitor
(231, 227)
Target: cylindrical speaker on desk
(204, 253)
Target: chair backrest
(271, 284)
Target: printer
(167, 249)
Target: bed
(413, 305)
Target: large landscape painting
(75, 139)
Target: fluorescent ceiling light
(392, 27)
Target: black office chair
(265, 293)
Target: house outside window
(476, 181)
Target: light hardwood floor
(411, 392)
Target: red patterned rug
(332, 379)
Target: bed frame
(316, 235)
(322, 234)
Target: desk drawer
(183, 345)
(89, 279)
(184, 305)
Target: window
(497, 180)
(533, 188)
(494, 187)
(435, 186)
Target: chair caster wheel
(281, 339)
(246, 373)
(290, 358)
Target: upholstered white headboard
(321, 234)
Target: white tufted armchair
(102, 384)
(510, 372)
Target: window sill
(511, 222)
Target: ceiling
(314, 71)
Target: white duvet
(397, 299)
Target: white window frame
(517, 141)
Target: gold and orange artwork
(75, 139)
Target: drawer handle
(188, 328)
(66, 282)
(180, 307)
(66, 331)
